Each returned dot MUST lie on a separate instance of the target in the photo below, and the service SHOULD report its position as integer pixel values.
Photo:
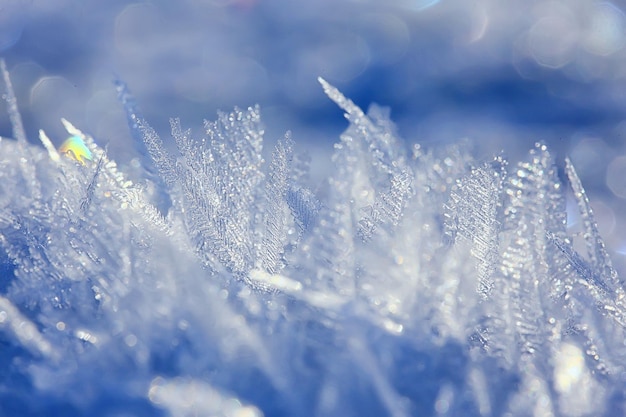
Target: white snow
(428, 283)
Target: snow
(199, 265)
(423, 283)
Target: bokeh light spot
(605, 33)
(570, 367)
(553, 39)
(12, 13)
(387, 36)
(75, 148)
(134, 27)
(616, 176)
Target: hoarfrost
(427, 283)
(275, 222)
(473, 215)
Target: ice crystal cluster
(416, 282)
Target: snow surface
(419, 282)
(216, 269)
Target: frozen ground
(433, 268)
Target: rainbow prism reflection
(75, 148)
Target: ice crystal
(473, 215)
(423, 283)
(275, 223)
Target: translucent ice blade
(161, 197)
(595, 244)
(47, 143)
(9, 96)
(353, 111)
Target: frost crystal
(473, 215)
(275, 223)
(423, 283)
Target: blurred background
(502, 73)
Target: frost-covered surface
(417, 281)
